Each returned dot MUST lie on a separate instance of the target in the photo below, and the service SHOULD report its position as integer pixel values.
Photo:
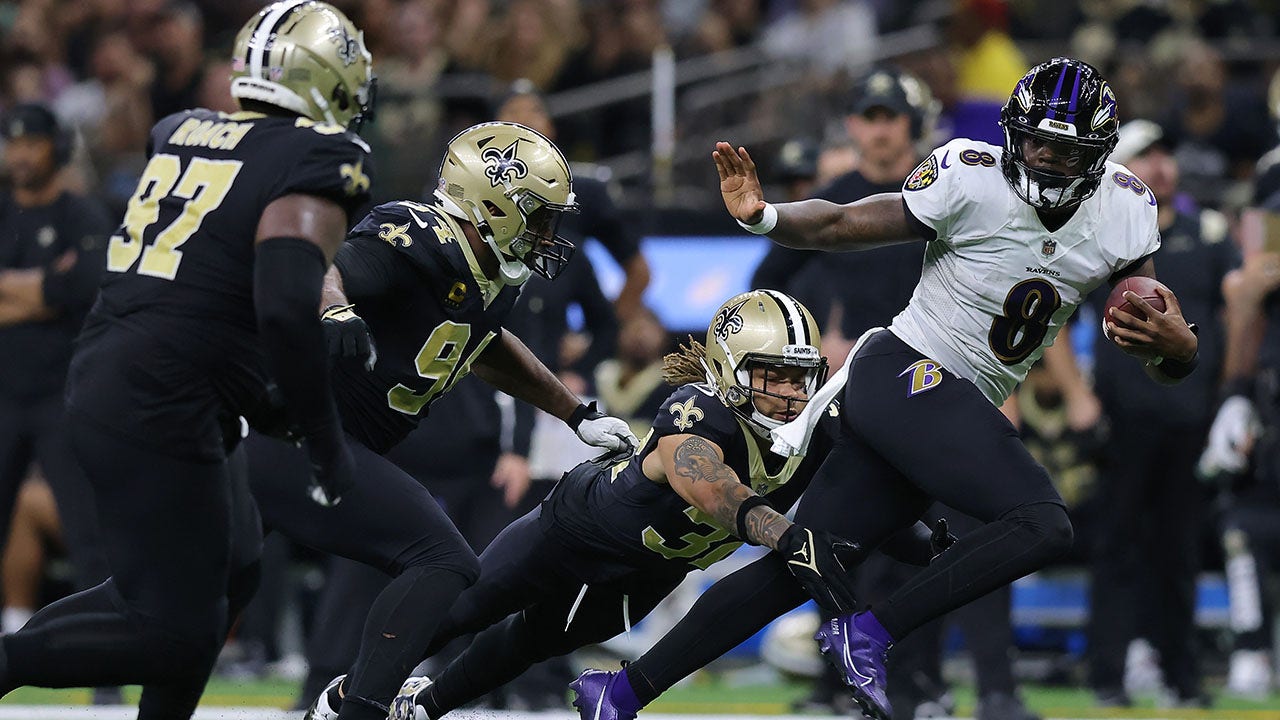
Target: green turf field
(707, 695)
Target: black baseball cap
(881, 88)
(29, 119)
(798, 160)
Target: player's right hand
(823, 564)
(333, 471)
(1230, 438)
(348, 336)
(739, 185)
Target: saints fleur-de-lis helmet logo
(728, 320)
(502, 166)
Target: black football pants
(180, 537)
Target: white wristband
(766, 224)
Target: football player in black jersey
(613, 539)
(214, 279)
(432, 283)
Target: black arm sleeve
(287, 276)
(371, 270)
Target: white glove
(603, 431)
(1230, 438)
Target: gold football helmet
(514, 185)
(761, 327)
(305, 56)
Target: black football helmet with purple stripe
(1062, 101)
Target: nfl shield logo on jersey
(1048, 247)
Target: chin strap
(510, 272)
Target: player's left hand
(1161, 335)
(603, 431)
(348, 336)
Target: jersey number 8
(203, 186)
(1028, 308)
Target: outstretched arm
(696, 470)
(508, 365)
(810, 224)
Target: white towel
(793, 438)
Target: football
(1140, 285)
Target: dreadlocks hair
(685, 365)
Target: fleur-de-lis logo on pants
(502, 166)
(686, 414)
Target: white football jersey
(996, 285)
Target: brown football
(1140, 285)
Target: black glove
(333, 470)
(348, 336)
(822, 563)
(941, 539)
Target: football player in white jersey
(1016, 238)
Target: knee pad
(1047, 524)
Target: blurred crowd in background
(802, 83)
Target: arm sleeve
(371, 269)
(287, 278)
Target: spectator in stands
(599, 219)
(175, 39)
(630, 384)
(1218, 129)
(35, 527)
(797, 168)
(1147, 554)
(827, 35)
(987, 64)
(52, 245)
(1243, 453)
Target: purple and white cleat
(591, 696)
(860, 660)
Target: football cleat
(860, 660)
(326, 706)
(591, 696)
(405, 704)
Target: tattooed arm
(695, 469)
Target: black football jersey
(619, 511)
(180, 266)
(408, 270)
(169, 352)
